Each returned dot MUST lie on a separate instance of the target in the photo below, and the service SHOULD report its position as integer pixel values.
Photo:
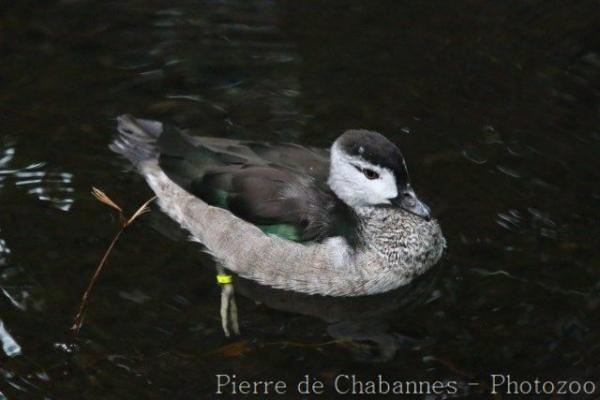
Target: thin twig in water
(125, 222)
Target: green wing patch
(218, 198)
(285, 231)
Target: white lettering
(337, 384)
(220, 384)
(495, 383)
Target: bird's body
(340, 223)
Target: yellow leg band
(224, 279)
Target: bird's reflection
(366, 321)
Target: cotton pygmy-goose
(339, 222)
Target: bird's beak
(408, 200)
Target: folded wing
(280, 188)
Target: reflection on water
(45, 185)
(495, 105)
(533, 219)
(54, 185)
(9, 346)
(361, 322)
(4, 251)
(48, 186)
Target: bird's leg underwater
(229, 311)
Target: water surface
(495, 105)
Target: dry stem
(125, 222)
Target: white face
(359, 183)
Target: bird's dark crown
(376, 149)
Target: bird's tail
(137, 139)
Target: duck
(343, 221)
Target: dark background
(495, 105)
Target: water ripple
(9, 345)
(47, 185)
(243, 59)
(533, 221)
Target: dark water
(495, 104)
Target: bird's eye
(370, 174)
